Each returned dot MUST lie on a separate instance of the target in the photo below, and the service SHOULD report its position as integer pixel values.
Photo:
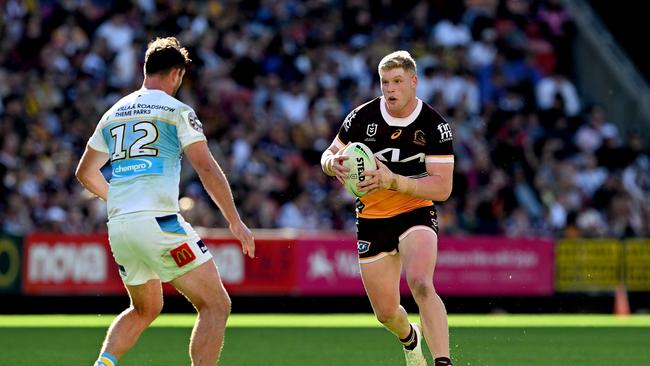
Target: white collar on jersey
(396, 121)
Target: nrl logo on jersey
(371, 130)
(194, 122)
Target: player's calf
(106, 359)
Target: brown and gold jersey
(405, 145)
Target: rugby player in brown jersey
(397, 225)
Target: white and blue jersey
(144, 134)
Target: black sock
(442, 361)
(411, 340)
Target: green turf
(315, 340)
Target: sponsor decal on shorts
(202, 246)
(363, 246)
(434, 219)
(182, 255)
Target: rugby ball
(360, 159)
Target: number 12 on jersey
(138, 140)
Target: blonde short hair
(163, 54)
(396, 60)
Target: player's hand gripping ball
(360, 159)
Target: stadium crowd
(273, 79)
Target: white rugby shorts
(154, 246)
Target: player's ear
(177, 73)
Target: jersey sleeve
(441, 149)
(347, 131)
(189, 128)
(97, 141)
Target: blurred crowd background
(272, 81)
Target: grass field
(346, 339)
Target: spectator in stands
(58, 63)
(556, 84)
(590, 135)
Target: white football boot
(416, 357)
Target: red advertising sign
(272, 272)
(309, 265)
(474, 266)
(329, 266)
(84, 265)
(69, 265)
(488, 266)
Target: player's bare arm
(332, 163)
(216, 184)
(89, 175)
(436, 186)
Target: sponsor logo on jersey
(393, 155)
(419, 139)
(182, 255)
(445, 132)
(194, 122)
(371, 130)
(202, 246)
(363, 246)
(396, 134)
(133, 167)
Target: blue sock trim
(109, 356)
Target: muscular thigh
(381, 279)
(149, 247)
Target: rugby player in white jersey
(143, 136)
(397, 224)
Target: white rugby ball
(360, 159)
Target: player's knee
(386, 314)
(218, 305)
(225, 306)
(149, 310)
(421, 287)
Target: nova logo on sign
(64, 262)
